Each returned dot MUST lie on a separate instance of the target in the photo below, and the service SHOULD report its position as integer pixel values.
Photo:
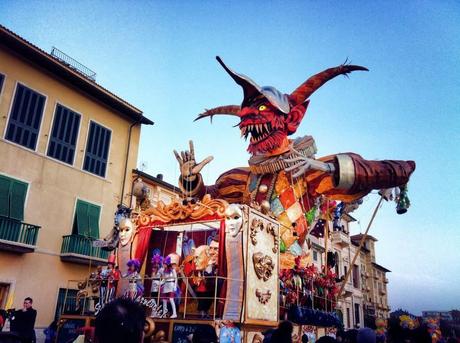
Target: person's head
(204, 334)
(28, 303)
(326, 339)
(120, 321)
(133, 265)
(126, 231)
(366, 335)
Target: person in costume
(169, 286)
(283, 176)
(134, 279)
(113, 276)
(157, 270)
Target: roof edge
(34, 54)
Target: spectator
(120, 321)
(204, 334)
(283, 334)
(50, 332)
(10, 337)
(23, 321)
(366, 335)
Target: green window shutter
(4, 196)
(86, 221)
(81, 217)
(93, 215)
(17, 199)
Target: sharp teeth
(266, 127)
(260, 128)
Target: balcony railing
(341, 238)
(79, 249)
(17, 236)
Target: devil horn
(307, 88)
(221, 110)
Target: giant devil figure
(283, 175)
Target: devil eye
(262, 108)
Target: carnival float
(237, 254)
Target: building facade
(68, 147)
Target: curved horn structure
(303, 92)
(221, 110)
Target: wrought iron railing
(72, 63)
(17, 231)
(82, 245)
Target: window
(86, 220)
(12, 197)
(2, 79)
(355, 276)
(357, 321)
(345, 270)
(315, 255)
(64, 135)
(348, 318)
(66, 305)
(25, 117)
(97, 149)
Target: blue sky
(159, 55)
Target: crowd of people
(124, 321)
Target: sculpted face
(213, 252)
(233, 219)
(126, 231)
(201, 257)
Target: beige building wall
(54, 187)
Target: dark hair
(10, 337)
(283, 334)
(120, 321)
(326, 339)
(29, 299)
(204, 334)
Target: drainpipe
(126, 159)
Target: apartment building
(68, 146)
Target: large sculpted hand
(188, 166)
(301, 164)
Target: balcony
(340, 238)
(79, 249)
(385, 280)
(17, 236)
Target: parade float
(236, 254)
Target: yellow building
(67, 147)
(374, 280)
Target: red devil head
(268, 115)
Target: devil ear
(295, 116)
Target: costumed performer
(169, 286)
(135, 287)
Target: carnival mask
(233, 219)
(263, 265)
(126, 231)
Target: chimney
(160, 177)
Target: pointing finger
(200, 165)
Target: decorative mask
(126, 231)
(263, 265)
(233, 219)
